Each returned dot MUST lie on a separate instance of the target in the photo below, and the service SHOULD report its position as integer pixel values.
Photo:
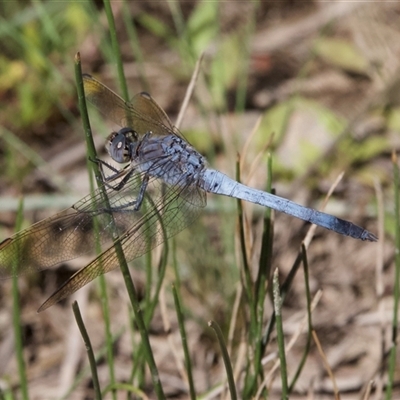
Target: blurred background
(315, 84)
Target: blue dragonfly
(157, 194)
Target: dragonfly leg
(136, 204)
(102, 163)
(142, 192)
(128, 172)
(117, 173)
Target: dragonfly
(159, 192)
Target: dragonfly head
(119, 144)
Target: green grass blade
(182, 330)
(92, 155)
(263, 277)
(84, 372)
(151, 305)
(264, 266)
(47, 22)
(280, 334)
(139, 316)
(116, 49)
(133, 297)
(162, 267)
(17, 318)
(396, 294)
(243, 249)
(226, 358)
(250, 378)
(107, 326)
(181, 29)
(309, 315)
(135, 45)
(175, 265)
(284, 290)
(89, 350)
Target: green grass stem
(243, 249)
(83, 373)
(396, 289)
(89, 350)
(92, 166)
(116, 50)
(185, 45)
(19, 345)
(264, 265)
(151, 303)
(279, 333)
(226, 358)
(284, 290)
(309, 315)
(48, 24)
(182, 330)
(139, 316)
(107, 326)
(102, 281)
(162, 267)
(118, 248)
(263, 276)
(175, 265)
(135, 46)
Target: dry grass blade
(189, 92)
(367, 394)
(327, 367)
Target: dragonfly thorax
(170, 158)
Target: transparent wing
(171, 213)
(142, 114)
(71, 233)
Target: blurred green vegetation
(37, 93)
(38, 42)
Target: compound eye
(118, 147)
